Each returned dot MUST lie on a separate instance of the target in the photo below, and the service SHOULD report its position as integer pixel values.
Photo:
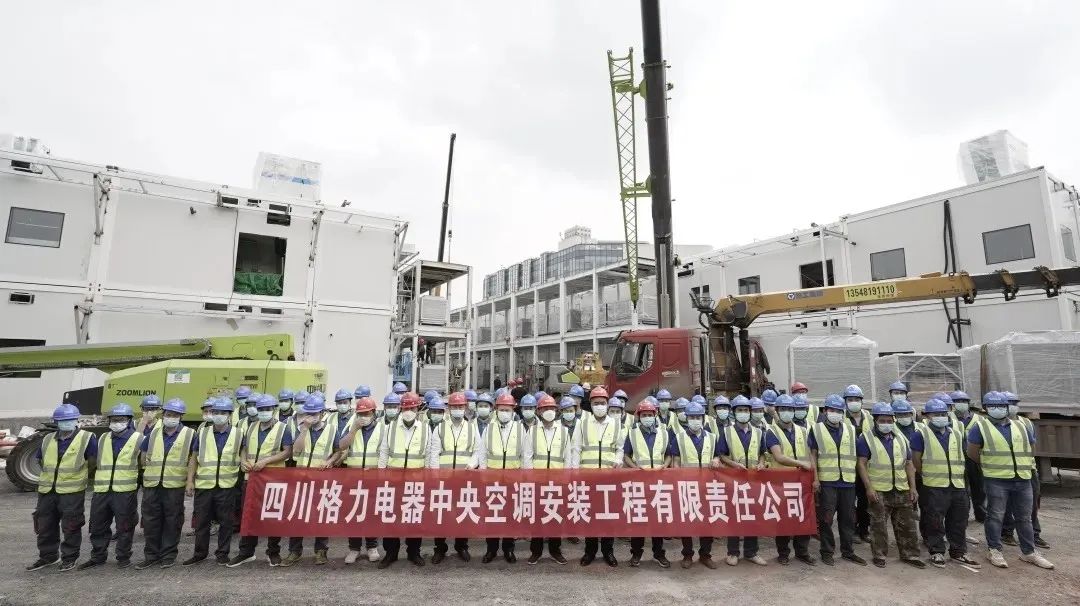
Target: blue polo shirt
(909, 431)
(167, 441)
(698, 441)
(63, 443)
(744, 436)
(119, 439)
(836, 433)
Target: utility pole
(656, 89)
(446, 198)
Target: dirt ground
(454, 582)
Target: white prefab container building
(102, 254)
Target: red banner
(291, 502)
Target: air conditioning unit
(432, 376)
(434, 311)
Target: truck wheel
(23, 468)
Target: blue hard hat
(486, 398)
(151, 401)
(567, 402)
(768, 396)
(881, 408)
(834, 401)
(721, 401)
(652, 400)
(959, 396)
(392, 399)
(436, 403)
(500, 391)
(342, 394)
(527, 400)
(121, 410)
(800, 403)
(209, 402)
(429, 395)
(539, 395)
(663, 394)
(301, 396)
(616, 402)
(1010, 397)
(223, 405)
(992, 398)
(700, 399)
(317, 394)
(266, 401)
(399, 388)
(944, 397)
(739, 400)
(576, 391)
(176, 405)
(285, 395)
(242, 392)
(853, 391)
(902, 407)
(621, 394)
(785, 400)
(253, 397)
(695, 409)
(935, 405)
(757, 404)
(313, 405)
(470, 395)
(362, 391)
(680, 404)
(898, 386)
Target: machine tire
(22, 468)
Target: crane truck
(190, 369)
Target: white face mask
(252, 411)
(615, 413)
(528, 414)
(171, 422)
(284, 406)
(457, 413)
(723, 414)
(435, 418)
(569, 416)
(408, 416)
(265, 415)
(665, 406)
(504, 416)
(67, 426)
(962, 407)
(599, 410)
(548, 415)
(344, 408)
(220, 419)
(787, 416)
(742, 416)
(885, 428)
(681, 416)
(904, 421)
(694, 425)
(647, 422)
(483, 412)
(365, 419)
(471, 406)
(118, 426)
(940, 422)
(757, 416)
(392, 412)
(896, 397)
(997, 412)
(209, 418)
(800, 414)
(834, 417)
(854, 406)
(1014, 409)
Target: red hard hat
(598, 392)
(546, 401)
(797, 386)
(505, 400)
(457, 399)
(645, 406)
(365, 405)
(410, 400)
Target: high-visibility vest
(168, 470)
(316, 452)
(119, 473)
(942, 468)
(735, 446)
(218, 469)
(1028, 425)
(835, 462)
(688, 453)
(599, 446)
(1003, 459)
(711, 425)
(887, 473)
(812, 414)
(408, 453)
(550, 454)
(628, 422)
(365, 455)
(69, 473)
(504, 452)
(270, 446)
(865, 424)
(645, 457)
(676, 427)
(800, 450)
(457, 448)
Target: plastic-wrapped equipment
(827, 364)
(924, 374)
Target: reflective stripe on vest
(865, 422)
(120, 473)
(887, 473)
(365, 454)
(644, 456)
(1003, 459)
(218, 469)
(735, 446)
(410, 453)
(67, 474)
(550, 454)
(598, 445)
(168, 471)
(270, 445)
(835, 462)
(800, 451)
(458, 443)
(941, 468)
(1026, 422)
(688, 453)
(504, 452)
(316, 453)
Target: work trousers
(1009, 524)
(862, 510)
(894, 505)
(218, 505)
(536, 546)
(945, 516)
(605, 544)
(839, 503)
(360, 543)
(296, 544)
(459, 545)
(56, 513)
(924, 521)
(105, 507)
(973, 475)
(704, 547)
(162, 521)
(1009, 495)
(637, 546)
(393, 545)
(238, 508)
(507, 545)
(749, 546)
(802, 546)
(248, 544)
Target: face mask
(548, 415)
(615, 413)
(457, 413)
(209, 418)
(569, 416)
(800, 414)
(997, 412)
(67, 425)
(599, 410)
(787, 416)
(265, 415)
(757, 416)
(391, 413)
(408, 416)
(742, 416)
(723, 414)
(483, 412)
(343, 408)
(252, 411)
(1014, 410)
(834, 417)
(665, 406)
(171, 422)
(681, 416)
(904, 421)
(366, 420)
(939, 422)
(854, 407)
(504, 416)
(528, 414)
(962, 407)
(435, 418)
(221, 419)
(118, 426)
(885, 428)
(647, 422)
(472, 406)
(694, 425)
(898, 396)
(284, 406)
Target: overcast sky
(783, 113)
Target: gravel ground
(455, 582)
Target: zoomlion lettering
(136, 392)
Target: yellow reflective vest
(364, 454)
(748, 456)
(645, 457)
(1026, 422)
(119, 473)
(835, 462)
(599, 443)
(67, 474)
(866, 423)
(458, 441)
(504, 450)
(550, 453)
(317, 451)
(887, 473)
(168, 470)
(942, 468)
(270, 445)
(1003, 459)
(799, 451)
(688, 453)
(218, 469)
(407, 451)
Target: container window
(1009, 244)
(33, 227)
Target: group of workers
(872, 466)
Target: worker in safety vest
(241, 396)
(485, 405)
(400, 388)
(391, 409)
(832, 450)
(359, 449)
(897, 391)
(1003, 447)
(66, 457)
(803, 412)
(861, 421)
(788, 446)
(455, 444)
(285, 404)
(167, 455)
(265, 444)
(550, 445)
(769, 398)
(678, 415)
(906, 430)
(647, 446)
(1036, 490)
(595, 445)
(622, 396)
(313, 448)
(961, 415)
(213, 478)
(504, 446)
(742, 446)
(800, 389)
(343, 409)
(695, 447)
(250, 409)
(721, 416)
(663, 408)
(578, 395)
(404, 447)
(151, 414)
(116, 489)
(937, 451)
(758, 417)
(470, 404)
(527, 410)
(207, 410)
(886, 470)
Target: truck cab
(648, 360)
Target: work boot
(70, 565)
(221, 560)
(143, 565)
(489, 557)
(193, 560)
(320, 557)
(783, 560)
(966, 560)
(437, 557)
(89, 564)
(1034, 557)
(350, 558)
(687, 562)
(879, 562)
(510, 557)
(275, 560)
(1008, 539)
(662, 561)
(997, 558)
(854, 559)
(827, 559)
(635, 560)
(806, 559)
(916, 562)
(1041, 544)
(707, 562)
(533, 558)
(464, 555)
(558, 557)
(42, 563)
(609, 559)
(588, 559)
(937, 559)
(290, 560)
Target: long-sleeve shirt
(406, 435)
(435, 444)
(607, 425)
(524, 443)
